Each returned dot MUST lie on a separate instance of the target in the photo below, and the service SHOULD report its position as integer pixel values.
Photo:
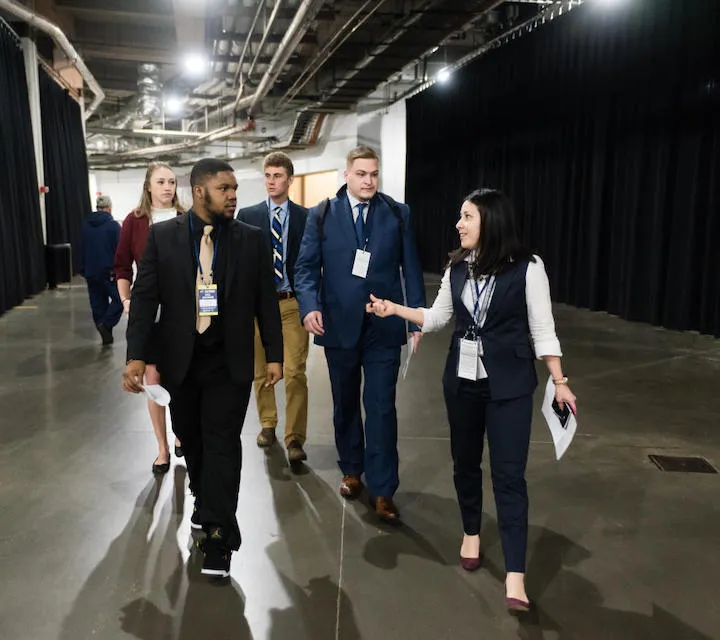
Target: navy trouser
(105, 302)
(372, 450)
(471, 414)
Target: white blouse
(160, 215)
(537, 297)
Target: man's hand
(313, 323)
(416, 336)
(133, 376)
(126, 306)
(274, 374)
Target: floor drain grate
(685, 464)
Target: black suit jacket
(259, 216)
(166, 276)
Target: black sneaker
(195, 519)
(217, 555)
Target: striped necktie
(277, 245)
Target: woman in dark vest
(500, 296)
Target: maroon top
(133, 237)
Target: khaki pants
(296, 343)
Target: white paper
(468, 360)
(562, 434)
(361, 264)
(158, 394)
(410, 349)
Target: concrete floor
(91, 546)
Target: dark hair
(499, 241)
(279, 159)
(207, 167)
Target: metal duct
(150, 87)
(59, 37)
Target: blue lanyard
(478, 292)
(196, 246)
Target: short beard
(218, 219)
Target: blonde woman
(159, 202)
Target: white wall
(385, 131)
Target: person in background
(213, 275)
(361, 242)
(282, 223)
(100, 235)
(500, 296)
(158, 202)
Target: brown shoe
(351, 487)
(386, 510)
(295, 451)
(266, 437)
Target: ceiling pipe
(263, 40)
(304, 15)
(364, 12)
(548, 12)
(58, 35)
(241, 60)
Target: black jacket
(166, 277)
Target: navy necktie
(360, 225)
(277, 245)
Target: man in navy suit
(361, 242)
(283, 223)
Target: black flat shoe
(159, 469)
(179, 453)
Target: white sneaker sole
(216, 573)
(197, 527)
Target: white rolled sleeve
(441, 312)
(539, 308)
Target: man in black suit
(211, 276)
(283, 223)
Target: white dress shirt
(537, 297)
(354, 202)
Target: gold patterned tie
(206, 257)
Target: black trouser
(471, 413)
(208, 410)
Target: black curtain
(22, 263)
(66, 168)
(604, 127)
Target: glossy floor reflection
(92, 547)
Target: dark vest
(509, 357)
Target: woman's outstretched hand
(381, 308)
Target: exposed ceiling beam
(97, 14)
(273, 38)
(128, 53)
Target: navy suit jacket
(258, 216)
(324, 280)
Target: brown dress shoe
(386, 510)
(295, 451)
(266, 437)
(351, 487)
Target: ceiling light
(443, 76)
(196, 64)
(173, 105)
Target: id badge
(361, 264)
(207, 300)
(468, 360)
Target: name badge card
(207, 300)
(361, 264)
(468, 360)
